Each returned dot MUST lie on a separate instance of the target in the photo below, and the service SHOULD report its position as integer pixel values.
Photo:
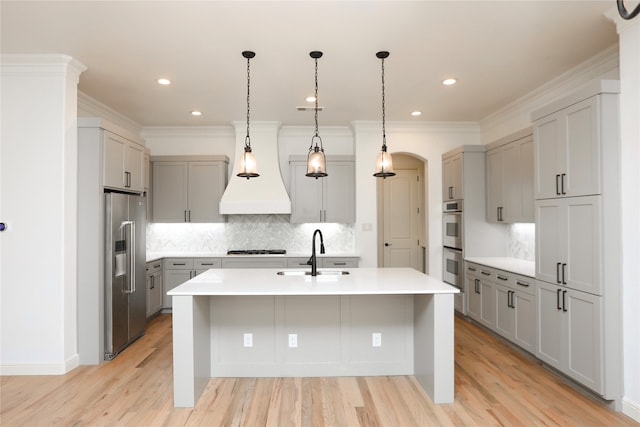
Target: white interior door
(401, 236)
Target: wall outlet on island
(376, 339)
(248, 340)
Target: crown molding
(90, 107)
(423, 127)
(206, 132)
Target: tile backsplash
(522, 239)
(249, 232)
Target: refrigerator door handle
(131, 252)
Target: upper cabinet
(123, 163)
(452, 187)
(510, 196)
(188, 189)
(568, 151)
(328, 199)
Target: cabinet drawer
(298, 262)
(266, 262)
(340, 262)
(524, 284)
(154, 266)
(178, 263)
(206, 263)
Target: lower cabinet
(569, 333)
(480, 295)
(154, 287)
(179, 270)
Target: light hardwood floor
(495, 385)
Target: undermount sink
(308, 273)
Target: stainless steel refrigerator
(125, 293)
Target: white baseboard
(40, 368)
(631, 409)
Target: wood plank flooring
(495, 385)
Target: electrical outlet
(376, 339)
(248, 340)
(293, 340)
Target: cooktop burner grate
(256, 252)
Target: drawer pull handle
(486, 273)
(206, 263)
(157, 266)
(339, 263)
(471, 269)
(503, 278)
(179, 263)
(526, 285)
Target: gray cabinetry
(452, 176)
(179, 270)
(510, 196)
(480, 295)
(329, 199)
(254, 262)
(188, 189)
(328, 262)
(123, 163)
(154, 287)
(578, 235)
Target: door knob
(387, 244)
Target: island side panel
(191, 349)
(434, 345)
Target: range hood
(265, 194)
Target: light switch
(293, 340)
(248, 340)
(376, 339)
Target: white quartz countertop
(152, 256)
(513, 265)
(359, 281)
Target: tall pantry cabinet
(578, 289)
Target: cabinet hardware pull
(179, 263)
(339, 263)
(562, 179)
(152, 284)
(526, 285)
(564, 302)
(185, 216)
(189, 215)
(564, 269)
(471, 269)
(486, 273)
(558, 299)
(477, 286)
(557, 185)
(156, 266)
(503, 278)
(513, 299)
(558, 264)
(206, 263)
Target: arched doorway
(401, 211)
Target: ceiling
(498, 51)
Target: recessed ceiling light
(310, 99)
(449, 82)
(196, 113)
(416, 113)
(164, 82)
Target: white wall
(424, 140)
(38, 180)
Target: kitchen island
(258, 323)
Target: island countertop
(359, 281)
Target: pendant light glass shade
(247, 166)
(384, 162)
(316, 160)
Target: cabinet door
(550, 317)
(494, 184)
(549, 240)
(524, 332)
(306, 195)
(584, 338)
(452, 178)
(548, 155)
(505, 315)
(339, 193)
(133, 166)
(114, 153)
(583, 231)
(154, 301)
(150, 289)
(206, 184)
(511, 181)
(170, 181)
(473, 296)
(487, 303)
(173, 278)
(525, 166)
(582, 168)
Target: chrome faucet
(313, 262)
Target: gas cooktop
(256, 252)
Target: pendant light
(316, 161)
(384, 162)
(247, 168)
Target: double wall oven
(453, 271)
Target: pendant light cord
(384, 134)
(316, 96)
(247, 139)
